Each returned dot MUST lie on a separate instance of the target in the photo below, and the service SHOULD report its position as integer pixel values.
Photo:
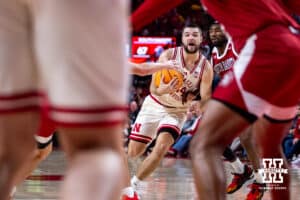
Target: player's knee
(135, 149)
(195, 146)
(246, 137)
(201, 145)
(208, 138)
(132, 153)
(160, 150)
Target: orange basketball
(168, 75)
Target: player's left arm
(148, 68)
(150, 10)
(205, 85)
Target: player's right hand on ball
(167, 88)
(172, 64)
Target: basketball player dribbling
(164, 110)
(69, 51)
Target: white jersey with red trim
(191, 80)
(223, 63)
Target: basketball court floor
(171, 181)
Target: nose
(191, 39)
(212, 34)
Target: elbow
(143, 73)
(139, 71)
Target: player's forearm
(150, 10)
(203, 103)
(139, 69)
(149, 68)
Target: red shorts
(266, 77)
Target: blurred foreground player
(222, 59)
(72, 53)
(260, 89)
(44, 136)
(44, 145)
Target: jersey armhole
(174, 54)
(233, 49)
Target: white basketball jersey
(191, 80)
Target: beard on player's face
(219, 42)
(191, 48)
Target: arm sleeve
(150, 10)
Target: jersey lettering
(136, 127)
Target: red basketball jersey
(150, 10)
(244, 10)
(244, 18)
(223, 63)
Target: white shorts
(73, 51)
(154, 118)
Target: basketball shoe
(135, 197)
(129, 193)
(239, 179)
(257, 191)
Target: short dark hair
(214, 23)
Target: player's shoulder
(205, 63)
(230, 47)
(230, 44)
(204, 58)
(172, 53)
(167, 53)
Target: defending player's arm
(147, 68)
(150, 10)
(205, 85)
(293, 5)
(163, 88)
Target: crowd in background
(171, 23)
